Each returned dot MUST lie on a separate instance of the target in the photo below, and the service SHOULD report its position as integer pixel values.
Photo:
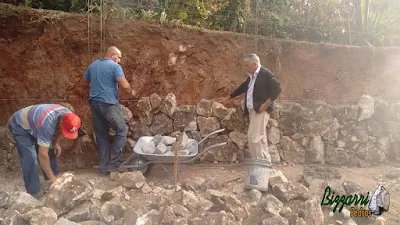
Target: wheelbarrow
(144, 162)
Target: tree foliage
(338, 21)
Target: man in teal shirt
(105, 75)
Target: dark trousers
(104, 115)
(28, 155)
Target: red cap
(70, 125)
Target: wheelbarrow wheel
(145, 169)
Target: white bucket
(256, 174)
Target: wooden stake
(176, 161)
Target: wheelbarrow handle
(215, 132)
(203, 152)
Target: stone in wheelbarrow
(161, 148)
(149, 147)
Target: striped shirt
(41, 121)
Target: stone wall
(358, 135)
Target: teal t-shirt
(102, 75)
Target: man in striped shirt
(36, 129)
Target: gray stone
(225, 153)
(79, 213)
(127, 113)
(323, 114)
(41, 216)
(301, 221)
(235, 206)
(63, 221)
(383, 144)
(286, 212)
(375, 128)
(307, 114)
(151, 218)
(347, 128)
(67, 192)
(276, 220)
(185, 118)
(112, 209)
(290, 120)
(22, 202)
(138, 129)
(219, 110)
(234, 120)
(167, 140)
(204, 108)
(240, 139)
(144, 110)
(180, 210)
(92, 222)
(255, 196)
(161, 125)
(14, 218)
(167, 215)
(361, 131)
(315, 152)
(149, 148)
(382, 113)
(274, 153)
(290, 191)
(272, 206)
(313, 212)
(353, 112)
(156, 139)
(276, 177)
(131, 180)
(117, 193)
(190, 200)
(292, 151)
(194, 183)
(161, 148)
(274, 135)
(314, 128)
(155, 101)
(169, 105)
(331, 135)
(181, 221)
(273, 122)
(367, 107)
(208, 125)
(336, 156)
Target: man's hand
(223, 99)
(43, 155)
(264, 106)
(57, 150)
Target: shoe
(104, 174)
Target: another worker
(36, 129)
(261, 88)
(105, 75)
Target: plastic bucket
(256, 174)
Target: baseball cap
(70, 125)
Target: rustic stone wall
(362, 134)
(357, 135)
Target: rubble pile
(195, 201)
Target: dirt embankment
(46, 53)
